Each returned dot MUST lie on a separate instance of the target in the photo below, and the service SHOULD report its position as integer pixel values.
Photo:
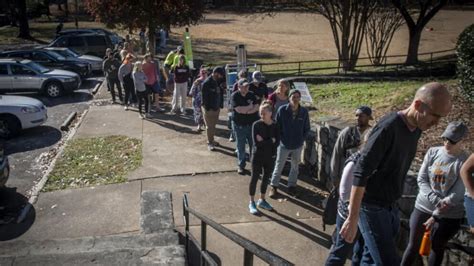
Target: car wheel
(9, 126)
(53, 89)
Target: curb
(39, 186)
(68, 121)
(96, 88)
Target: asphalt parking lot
(30, 153)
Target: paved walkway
(176, 159)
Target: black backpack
(330, 210)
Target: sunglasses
(450, 141)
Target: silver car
(19, 112)
(18, 75)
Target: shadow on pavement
(11, 205)
(33, 139)
(311, 233)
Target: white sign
(303, 88)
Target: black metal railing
(426, 62)
(251, 249)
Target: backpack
(330, 210)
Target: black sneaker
(292, 191)
(241, 171)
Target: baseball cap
(364, 110)
(257, 76)
(455, 131)
(219, 70)
(293, 91)
(243, 82)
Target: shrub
(465, 65)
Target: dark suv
(114, 37)
(52, 59)
(89, 43)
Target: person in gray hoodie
(439, 203)
(139, 79)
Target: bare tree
(348, 20)
(425, 10)
(381, 27)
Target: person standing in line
(151, 68)
(196, 93)
(168, 64)
(139, 81)
(379, 174)
(241, 75)
(280, 96)
(439, 203)
(467, 175)
(293, 123)
(126, 50)
(245, 113)
(125, 77)
(212, 102)
(181, 75)
(258, 87)
(110, 67)
(347, 142)
(341, 249)
(265, 137)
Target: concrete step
(88, 244)
(164, 255)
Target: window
(96, 40)
(3, 69)
(21, 70)
(41, 57)
(21, 55)
(61, 42)
(76, 41)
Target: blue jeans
(469, 205)
(282, 155)
(379, 227)
(341, 249)
(243, 135)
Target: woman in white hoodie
(139, 79)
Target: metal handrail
(250, 247)
(360, 58)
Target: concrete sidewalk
(176, 159)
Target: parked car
(114, 37)
(51, 59)
(94, 61)
(21, 75)
(4, 165)
(18, 113)
(88, 43)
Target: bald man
(380, 173)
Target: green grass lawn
(342, 98)
(95, 161)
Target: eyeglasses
(430, 111)
(450, 141)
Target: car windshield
(67, 53)
(36, 66)
(56, 55)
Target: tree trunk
(414, 43)
(151, 39)
(23, 20)
(66, 8)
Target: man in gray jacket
(348, 141)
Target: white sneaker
(125, 108)
(211, 147)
